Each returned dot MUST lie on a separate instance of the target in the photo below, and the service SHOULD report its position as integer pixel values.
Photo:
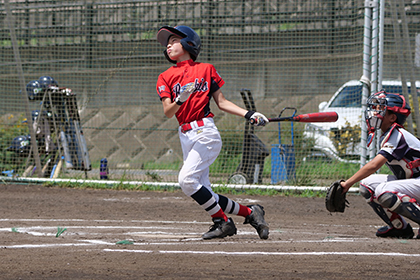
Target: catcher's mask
(378, 104)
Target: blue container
(278, 166)
(282, 163)
(103, 170)
(283, 156)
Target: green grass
(313, 173)
(162, 188)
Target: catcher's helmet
(21, 145)
(33, 89)
(47, 81)
(379, 103)
(190, 39)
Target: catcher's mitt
(335, 200)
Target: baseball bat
(57, 168)
(308, 118)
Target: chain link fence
(105, 61)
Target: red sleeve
(163, 88)
(216, 77)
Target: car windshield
(351, 96)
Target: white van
(346, 101)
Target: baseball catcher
(393, 198)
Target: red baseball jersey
(206, 81)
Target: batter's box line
(248, 253)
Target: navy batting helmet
(33, 89)
(47, 81)
(21, 145)
(190, 39)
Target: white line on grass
(168, 184)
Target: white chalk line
(102, 221)
(153, 232)
(37, 246)
(177, 239)
(188, 242)
(248, 253)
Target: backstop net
(83, 75)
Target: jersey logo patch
(387, 145)
(161, 88)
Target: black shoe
(220, 229)
(256, 219)
(392, 232)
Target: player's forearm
(228, 106)
(233, 109)
(358, 176)
(169, 108)
(367, 170)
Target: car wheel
(238, 178)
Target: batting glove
(256, 118)
(184, 93)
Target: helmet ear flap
(190, 48)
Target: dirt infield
(163, 230)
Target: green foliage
(162, 165)
(346, 139)
(321, 173)
(6, 43)
(162, 188)
(335, 169)
(153, 176)
(231, 154)
(119, 186)
(231, 191)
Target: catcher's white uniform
(402, 149)
(398, 193)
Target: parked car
(346, 101)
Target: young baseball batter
(395, 196)
(185, 90)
